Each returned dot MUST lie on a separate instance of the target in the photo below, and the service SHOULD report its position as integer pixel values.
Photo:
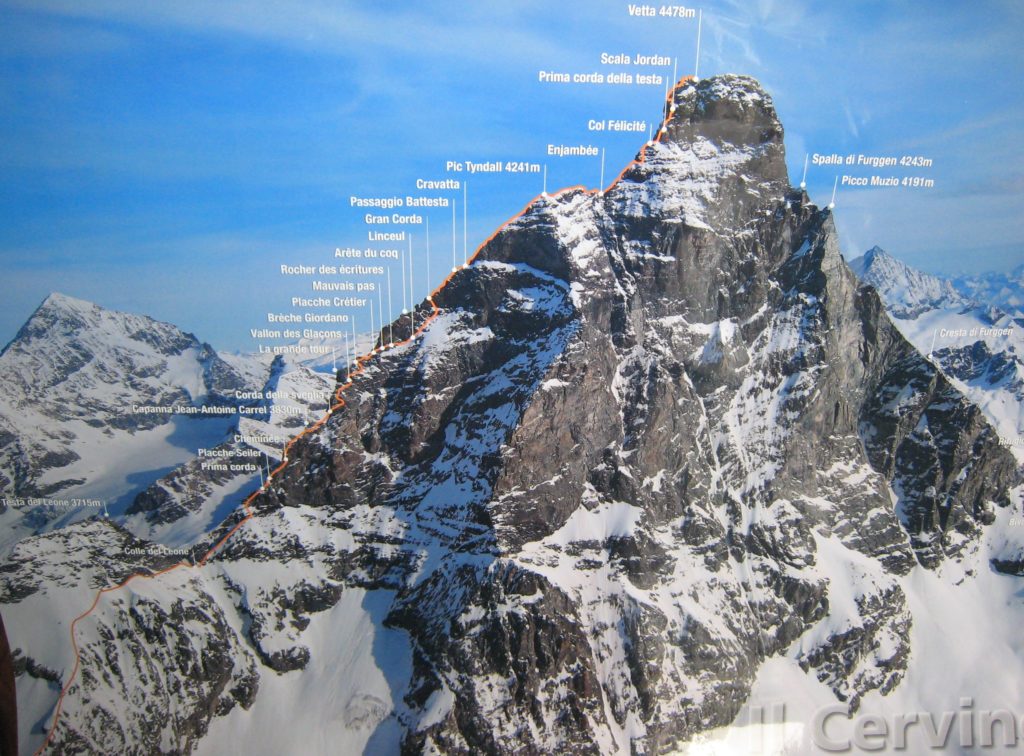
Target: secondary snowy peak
(76, 375)
(56, 300)
(67, 336)
(906, 291)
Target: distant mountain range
(1002, 290)
(908, 291)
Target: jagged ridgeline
(649, 436)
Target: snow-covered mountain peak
(728, 111)
(719, 158)
(726, 96)
(62, 322)
(906, 291)
(77, 371)
(626, 464)
(59, 301)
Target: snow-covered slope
(194, 498)
(78, 375)
(78, 432)
(980, 347)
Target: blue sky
(166, 158)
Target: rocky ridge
(977, 345)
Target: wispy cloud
(731, 43)
(49, 36)
(790, 21)
(850, 121)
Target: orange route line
(340, 402)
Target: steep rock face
(658, 402)
(652, 437)
(978, 349)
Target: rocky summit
(650, 438)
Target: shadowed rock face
(635, 420)
(648, 436)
